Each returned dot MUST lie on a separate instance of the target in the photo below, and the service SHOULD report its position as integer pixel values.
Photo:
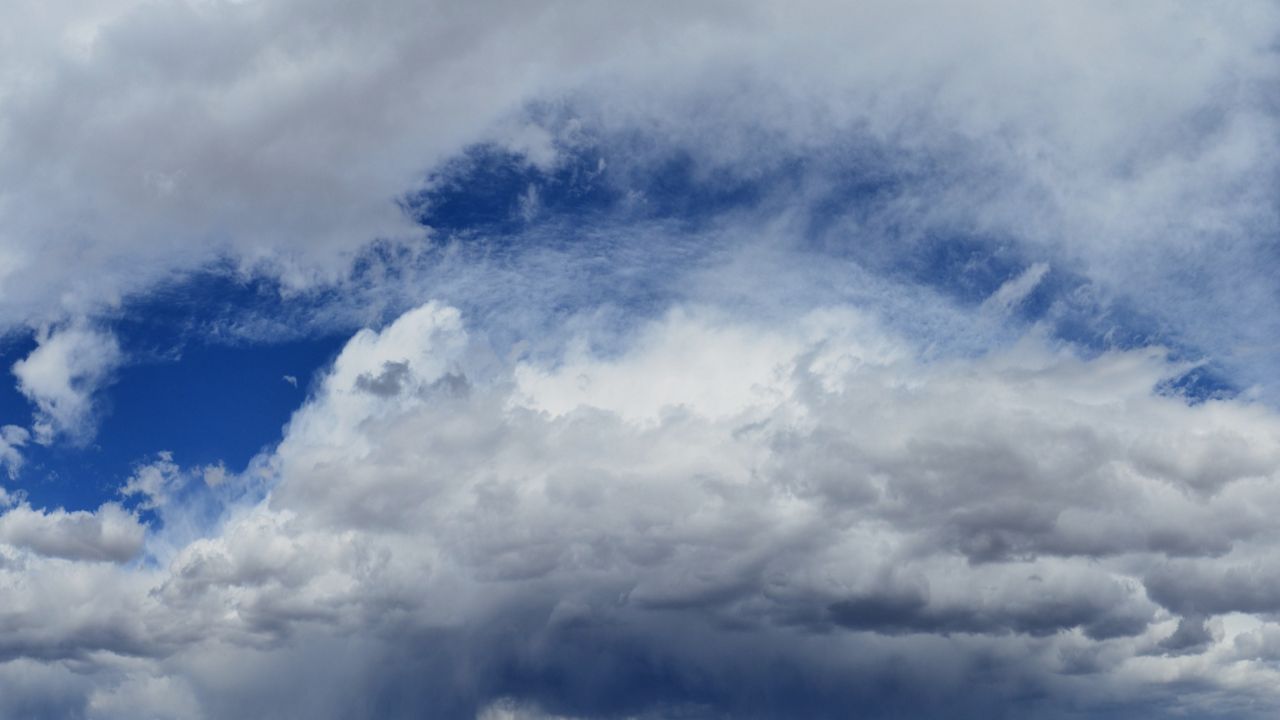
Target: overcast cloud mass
(639, 360)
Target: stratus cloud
(565, 538)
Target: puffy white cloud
(583, 542)
(154, 482)
(158, 483)
(61, 375)
(110, 533)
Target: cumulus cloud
(110, 533)
(61, 375)
(585, 544)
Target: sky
(532, 360)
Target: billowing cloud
(585, 540)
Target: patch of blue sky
(496, 193)
(189, 387)
(14, 408)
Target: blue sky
(537, 360)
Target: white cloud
(829, 505)
(710, 512)
(109, 533)
(12, 438)
(155, 482)
(1015, 291)
(285, 140)
(61, 375)
(841, 488)
(279, 134)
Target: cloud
(12, 438)
(586, 545)
(164, 697)
(839, 487)
(155, 482)
(1058, 133)
(110, 533)
(61, 376)
(1015, 290)
(301, 127)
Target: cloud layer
(61, 376)
(280, 137)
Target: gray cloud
(387, 382)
